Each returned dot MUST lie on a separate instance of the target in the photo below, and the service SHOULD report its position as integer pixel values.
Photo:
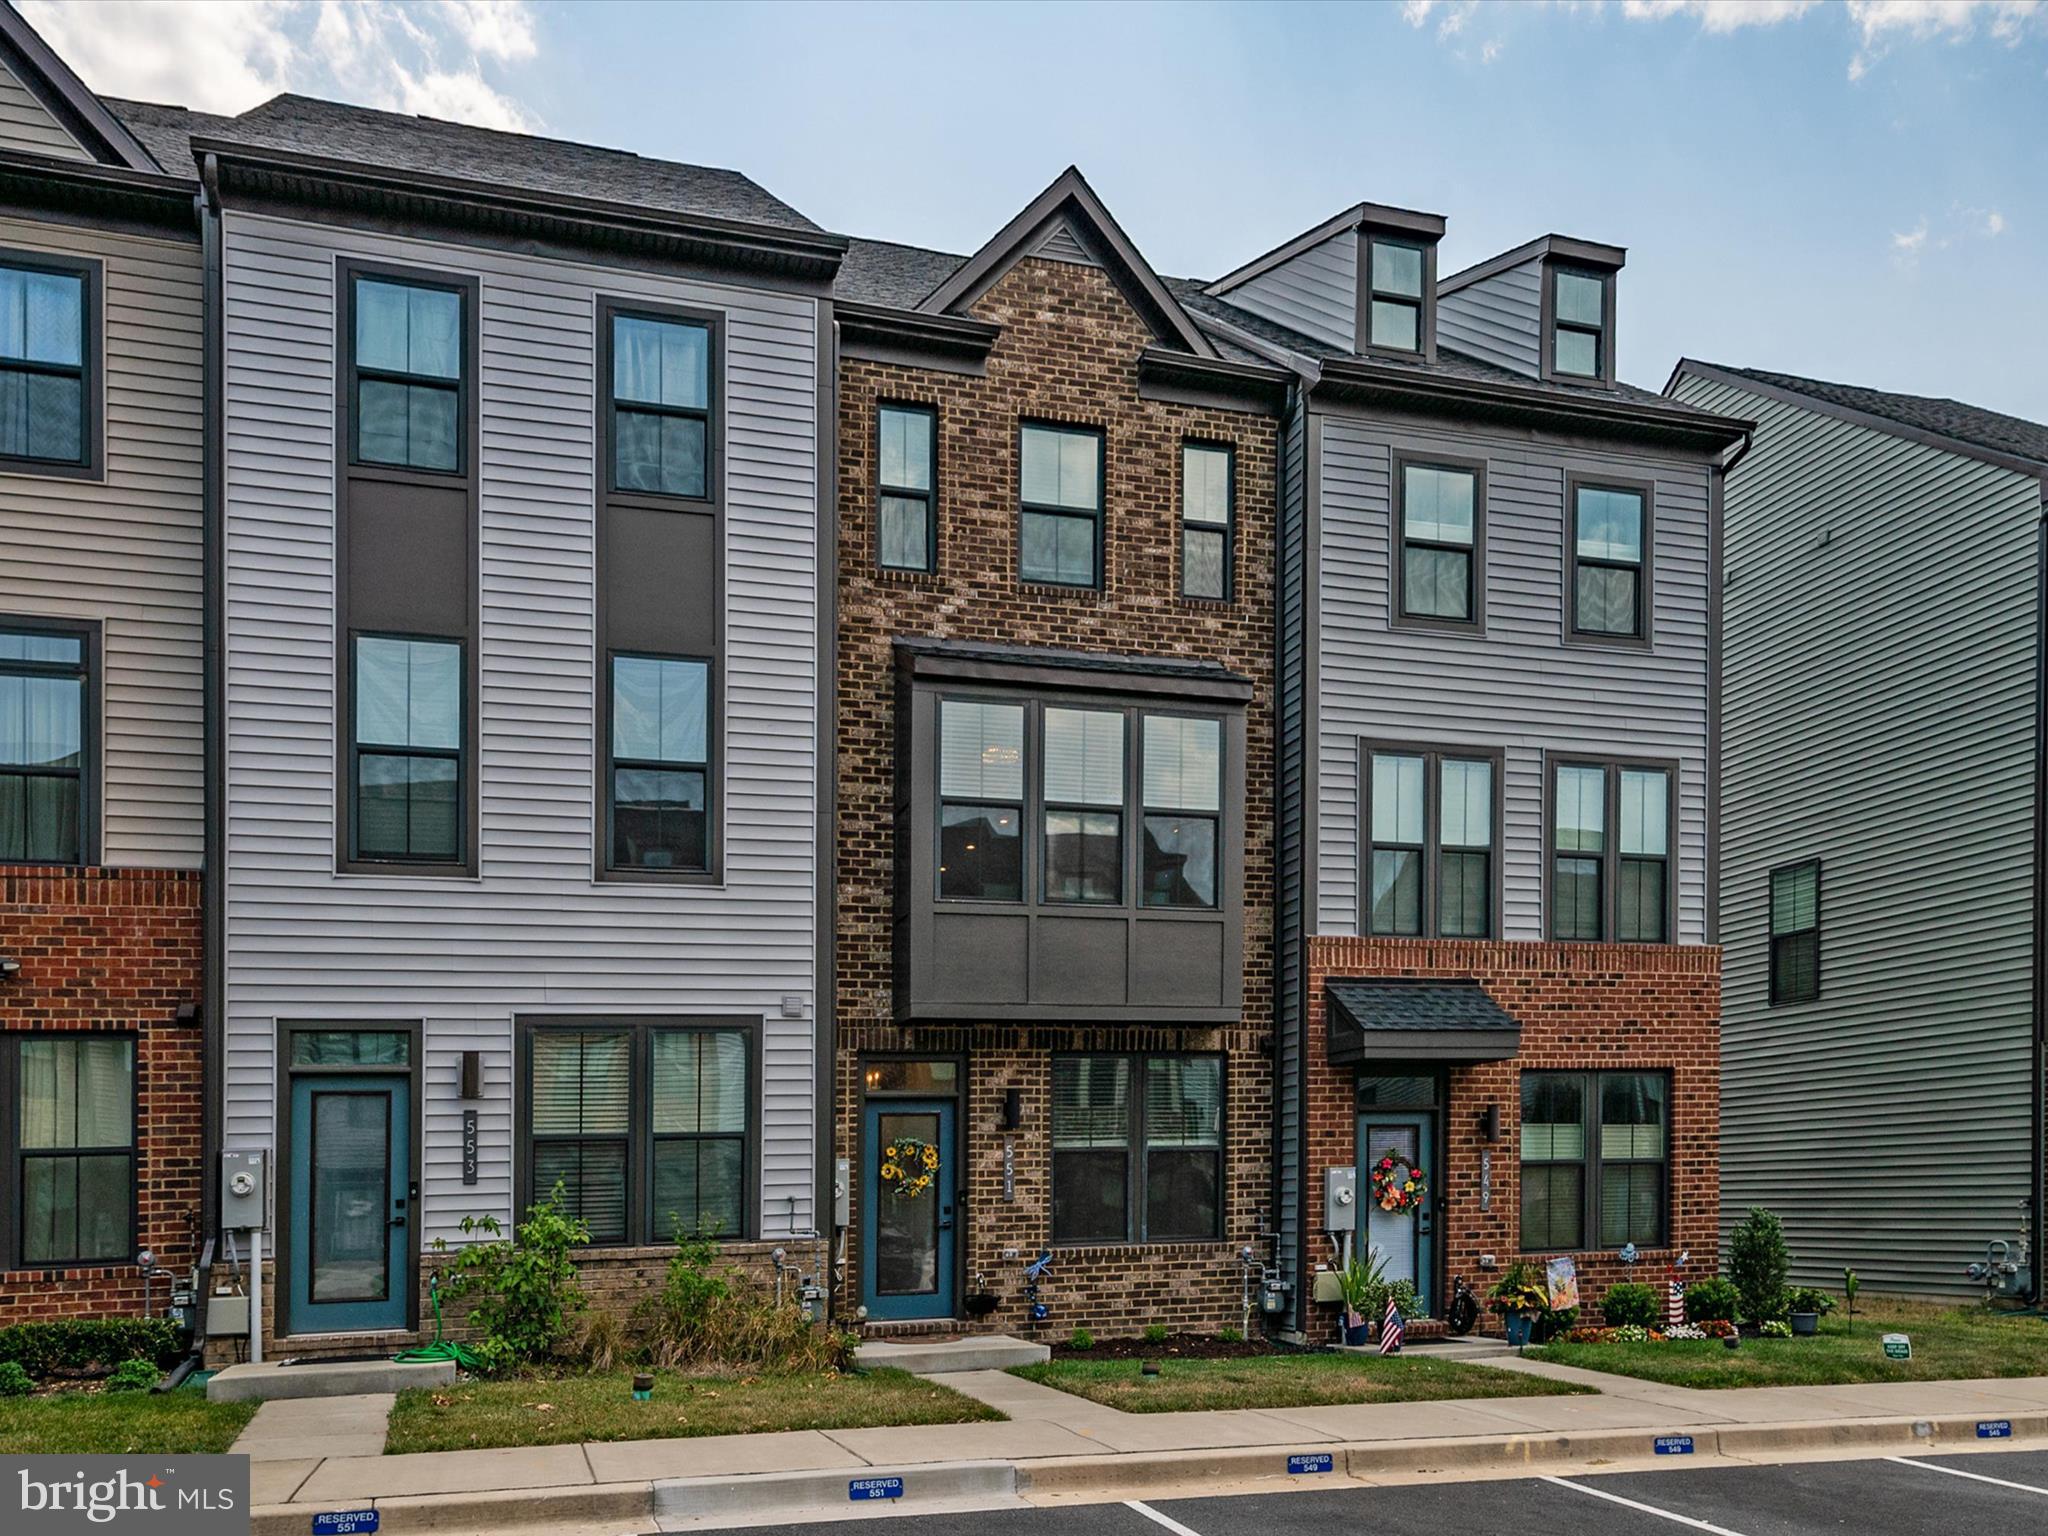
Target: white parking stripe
(1975, 1477)
(1157, 1518)
(1647, 1509)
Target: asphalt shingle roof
(1927, 413)
(1432, 1005)
(430, 146)
(882, 272)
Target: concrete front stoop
(948, 1356)
(249, 1382)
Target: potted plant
(1363, 1284)
(1808, 1305)
(1519, 1297)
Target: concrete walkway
(291, 1436)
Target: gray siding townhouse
(1497, 649)
(1881, 902)
(102, 459)
(525, 580)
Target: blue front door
(907, 1202)
(351, 1224)
(1405, 1239)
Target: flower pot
(1805, 1324)
(1357, 1330)
(1518, 1325)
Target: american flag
(1390, 1330)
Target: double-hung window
(406, 750)
(1795, 933)
(1578, 332)
(642, 1126)
(660, 773)
(70, 1100)
(1440, 518)
(906, 502)
(1137, 1148)
(1183, 789)
(661, 406)
(981, 800)
(1594, 1156)
(48, 394)
(1084, 800)
(1430, 855)
(1396, 295)
(1208, 491)
(45, 712)
(1611, 832)
(408, 350)
(1610, 564)
(1060, 528)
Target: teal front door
(351, 1223)
(1405, 1239)
(907, 1208)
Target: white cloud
(1994, 224)
(1880, 23)
(1416, 12)
(1959, 226)
(1909, 244)
(226, 57)
(1719, 15)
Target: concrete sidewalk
(1057, 1446)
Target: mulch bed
(1179, 1346)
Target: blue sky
(1856, 191)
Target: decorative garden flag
(1674, 1313)
(1390, 1330)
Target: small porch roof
(1377, 1020)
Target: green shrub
(1809, 1298)
(86, 1344)
(1230, 1335)
(14, 1381)
(1081, 1338)
(1630, 1304)
(525, 1295)
(704, 1320)
(134, 1376)
(1712, 1300)
(1757, 1262)
(1553, 1323)
(1155, 1333)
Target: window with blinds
(1137, 1148)
(1429, 843)
(72, 1105)
(1795, 933)
(1595, 1145)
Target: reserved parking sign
(875, 1488)
(1318, 1461)
(1674, 1445)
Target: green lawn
(1948, 1342)
(118, 1423)
(1281, 1381)
(562, 1410)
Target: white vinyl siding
(1498, 319)
(1315, 292)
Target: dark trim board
(1179, 379)
(825, 960)
(911, 339)
(1582, 253)
(1407, 221)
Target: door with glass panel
(1402, 1239)
(907, 1208)
(351, 1220)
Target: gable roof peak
(68, 99)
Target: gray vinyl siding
(124, 552)
(534, 933)
(1498, 320)
(1292, 811)
(26, 124)
(1879, 715)
(1519, 687)
(1315, 293)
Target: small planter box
(1805, 1324)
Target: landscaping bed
(1956, 1343)
(566, 1409)
(79, 1422)
(1286, 1379)
(1176, 1346)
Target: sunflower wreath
(909, 1166)
(1397, 1184)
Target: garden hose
(440, 1349)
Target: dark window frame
(1229, 450)
(1643, 639)
(1610, 842)
(1037, 792)
(88, 773)
(1433, 755)
(1401, 618)
(1030, 829)
(1136, 1151)
(1781, 996)
(1146, 809)
(610, 312)
(12, 1233)
(930, 498)
(1100, 516)
(352, 750)
(91, 370)
(1546, 361)
(611, 763)
(1593, 1166)
(353, 274)
(640, 1136)
(1425, 335)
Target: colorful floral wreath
(1397, 1184)
(909, 1166)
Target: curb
(775, 1497)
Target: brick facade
(115, 950)
(1586, 1006)
(1068, 352)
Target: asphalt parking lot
(2002, 1491)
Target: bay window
(981, 801)
(1183, 801)
(1084, 797)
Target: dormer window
(1579, 341)
(1396, 295)
(1396, 315)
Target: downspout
(212, 901)
(2038, 1118)
(825, 1045)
